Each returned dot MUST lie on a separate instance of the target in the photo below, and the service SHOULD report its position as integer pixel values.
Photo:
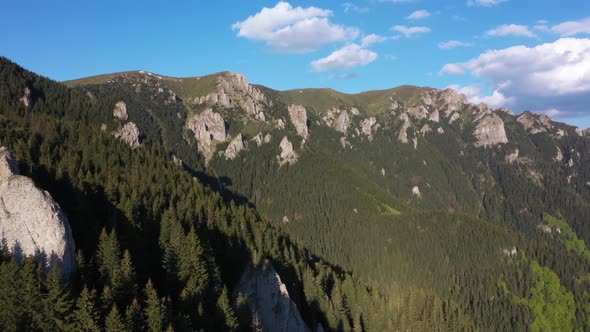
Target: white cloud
(372, 39)
(510, 30)
(484, 3)
(496, 99)
(452, 69)
(552, 112)
(351, 7)
(419, 14)
(453, 44)
(550, 75)
(409, 31)
(290, 29)
(572, 28)
(347, 57)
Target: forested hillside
(368, 228)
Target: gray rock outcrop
(209, 128)
(31, 223)
(8, 166)
(268, 300)
(26, 99)
(120, 111)
(235, 146)
(298, 116)
(129, 134)
(287, 155)
(342, 123)
(489, 127)
(535, 123)
(233, 90)
(369, 126)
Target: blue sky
(521, 54)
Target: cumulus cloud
(409, 31)
(484, 3)
(285, 28)
(347, 57)
(572, 28)
(550, 75)
(510, 30)
(452, 69)
(372, 39)
(418, 14)
(496, 99)
(449, 44)
(351, 7)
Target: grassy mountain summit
(401, 209)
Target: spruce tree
(57, 304)
(114, 322)
(85, 315)
(154, 310)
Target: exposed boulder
(280, 124)
(32, 224)
(344, 142)
(454, 117)
(416, 191)
(434, 116)
(403, 131)
(489, 128)
(267, 138)
(417, 112)
(298, 116)
(342, 122)
(512, 156)
(26, 99)
(120, 111)
(287, 155)
(235, 146)
(548, 229)
(209, 128)
(177, 161)
(354, 111)
(505, 110)
(129, 134)
(451, 101)
(579, 131)
(440, 131)
(8, 166)
(233, 90)
(369, 126)
(510, 252)
(269, 300)
(558, 155)
(258, 139)
(535, 123)
(425, 129)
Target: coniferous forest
(161, 247)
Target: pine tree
(56, 303)
(9, 288)
(124, 286)
(29, 294)
(108, 255)
(134, 316)
(114, 322)
(85, 315)
(224, 306)
(154, 310)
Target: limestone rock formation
(416, 191)
(287, 155)
(418, 112)
(369, 126)
(233, 90)
(235, 146)
(31, 223)
(268, 299)
(339, 119)
(120, 111)
(535, 123)
(512, 156)
(26, 99)
(129, 134)
(298, 116)
(209, 128)
(434, 116)
(258, 139)
(451, 101)
(342, 122)
(403, 132)
(425, 129)
(505, 110)
(489, 127)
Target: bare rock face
(425, 129)
(120, 111)
(288, 155)
(403, 132)
(298, 116)
(368, 127)
(129, 134)
(235, 146)
(451, 101)
(434, 116)
(258, 139)
(8, 165)
(418, 112)
(269, 300)
(416, 191)
(26, 99)
(208, 128)
(579, 131)
(233, 90)
(505, 110)
(512, 156)
(535, 123)
(342, 122)
(32, 224)
(267, 138)
(489, 127)
(355, 111)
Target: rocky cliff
(298, 116)
(31, 223)
(268, 299)
(209, 128)
(129, 134)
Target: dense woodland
(161, 247)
